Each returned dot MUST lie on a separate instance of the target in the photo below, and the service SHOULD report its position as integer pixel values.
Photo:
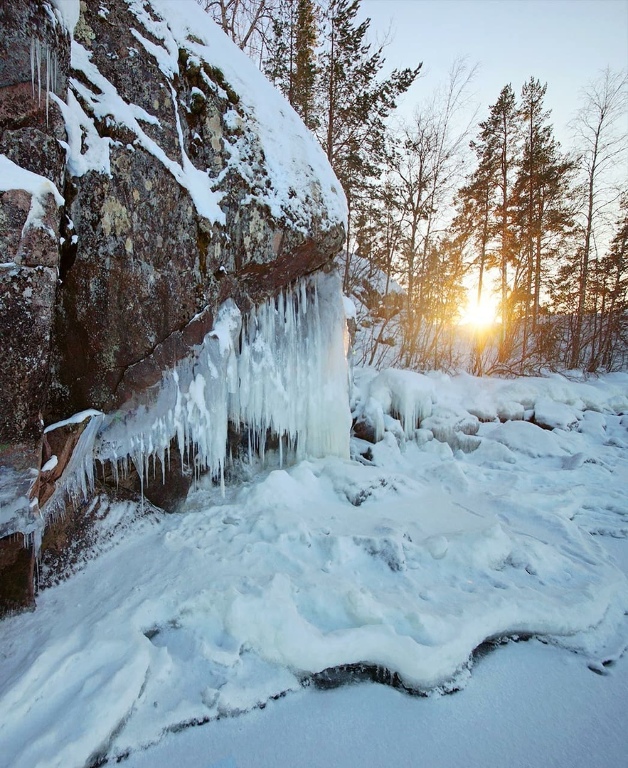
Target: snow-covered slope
(397, 564)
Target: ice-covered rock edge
(280, 371)
(421, 407)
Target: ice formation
(78, 475)
(67, 12)
(281, 370)
(41, 52)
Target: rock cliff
(148, 174)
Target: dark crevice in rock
(80, 77)
(16, 575)
(69, 239)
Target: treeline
(442, 202)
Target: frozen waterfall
(280, 371)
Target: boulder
(148, 173)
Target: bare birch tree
(601, 133)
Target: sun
(480, 314)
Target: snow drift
(405, 560)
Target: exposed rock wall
(29, 254)
(158, 239)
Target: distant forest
(442, 203)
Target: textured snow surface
(407, 558)
(301, 186)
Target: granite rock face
(149, 254)
(148, 173)
(29, 219)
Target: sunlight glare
(482, 314)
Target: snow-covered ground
(480, 524)
(528, 705)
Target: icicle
(33, 66)
(78, 477)
(47, 81)
(279, 371)
(38, 58)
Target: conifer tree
(501, 132)
(306, 36)
(354, 102)
(540, 202)
(291, 59)
(488, 196)
(475, 216)
(279, 60)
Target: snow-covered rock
(150, 174)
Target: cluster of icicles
(278, 373)
(41, 53)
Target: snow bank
(453, 406)
(405, 561)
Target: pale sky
(565, 43)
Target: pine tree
(303, 82)
(540, 202)
(488, 196)
(475, 216)
(291, 59)
(501, 132)
(279, 61)
(354, 103)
